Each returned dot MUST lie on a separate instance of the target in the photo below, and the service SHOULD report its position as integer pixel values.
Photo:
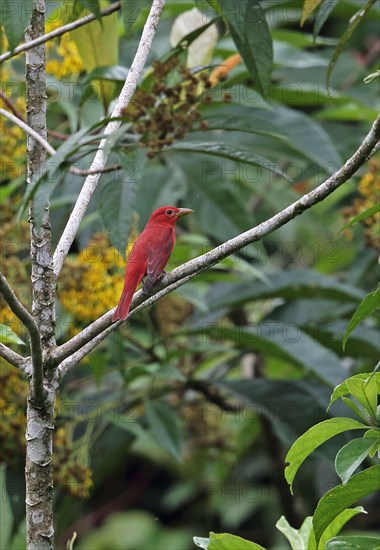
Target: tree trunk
(41, 399)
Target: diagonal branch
(80, 345)
(11, 356)
(101, 156)
(58, 32)
(35, 341)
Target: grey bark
(42, 389)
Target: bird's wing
(158, 258)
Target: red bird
(149, 255)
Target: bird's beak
(184, 211)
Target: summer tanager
(149, 255)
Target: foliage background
(179, 423)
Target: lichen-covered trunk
(39, 476)
(40, 412)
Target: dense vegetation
(181, 422)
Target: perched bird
(149, 255)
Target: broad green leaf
(7, 336)
(225, 541)
(367, 213)
(364, 378)
(13, 20)
(351, 456)
(93, 6)
(118, 197)
(163, 423)
(308, 7)
(312, 439)
(368, 306)
(289, 285)
(353, 543)
(250, 32)
(296, 130)
(353, 23)
(322, 14)
(91, 40)
(365, 392)
(298, 538)
(6, 518)
(289, 405)
(341, 497)
(50, 175)
(284, 340)
(336, 525)
(227, 151)
(354, 407)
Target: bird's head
(169, 214)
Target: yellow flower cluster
(63, 58)
(71, 475)
(369, 190)
(13, 393)
(13, 141)
(92, 282)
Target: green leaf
(91, 39)
(229, 152)
(366, 392)
(250, 32)
(341, 497)
(353, 23)
(367, 213)
(337, 524)
(50, 176)
(225, 541)
(298, 538)
(7, 336)
(312, 439)
(6, 516)
(351, 456)
(289, 285)
(322, 14)
(308, 7)
(118, 198)
(289, 405)
(368, 306)
(363, 377)
(353, 543)
(163, 423)
(93, 6)
(12, 18)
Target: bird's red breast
(149, 255)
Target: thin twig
(10, 105)
(101, 156)
(46, 145)
(11, 356)
(83, 172)
(28, 130)
(35, 341)
(80, 345)
(58, 32)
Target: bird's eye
(169, 212)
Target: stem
(57, 32)
(101, 156)
(86, 340)
(12, 357)
(34, 335)
(42, 390)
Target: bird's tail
(122, 310)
